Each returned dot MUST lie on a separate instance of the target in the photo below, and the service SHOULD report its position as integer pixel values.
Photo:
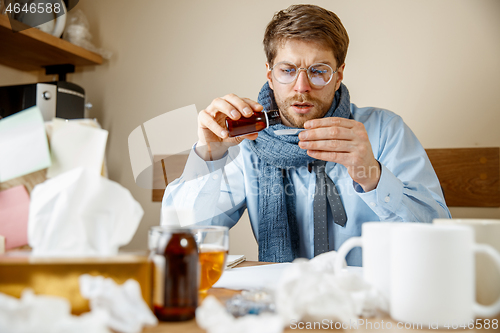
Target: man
(307, 193)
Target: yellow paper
(73, 145)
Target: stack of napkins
(234, 259)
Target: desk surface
(370, 324)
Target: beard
(297, 120)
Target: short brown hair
(308, 23)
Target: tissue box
(59, 276)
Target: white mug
(487, 276)
(375, 241)
(432, 275)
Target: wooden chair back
(165, 170)
(469, 176)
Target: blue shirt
(219, 191)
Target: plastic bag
(77, 32)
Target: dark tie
(326, 195)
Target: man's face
(301, 101)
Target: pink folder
(14, 210)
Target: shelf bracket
(60, 70)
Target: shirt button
(200, 177)
(215, 176)
(387, 199)
(373, 204)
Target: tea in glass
(213, 246)
(212, 263)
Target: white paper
(23, 144)
(80, 213)
(73, 145)
(234, 259)
(255, 277)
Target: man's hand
(342, 141)
(213, 139)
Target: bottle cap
(273, 117)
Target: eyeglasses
(287, 72)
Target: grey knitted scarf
(278, 228)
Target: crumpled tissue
(213, 317)
(308, 290)
(124, 306)
(46, 314)
(120, 308)
(79, 213)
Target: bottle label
(159, 280)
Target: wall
(436, 63)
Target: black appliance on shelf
(59, 99)
(54, 99)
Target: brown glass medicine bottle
(175, 295)
(253, 124)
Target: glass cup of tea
(213, 246)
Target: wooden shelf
(32, 49)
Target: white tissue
(125, 308)
(309, 290)
(45, 314)
(79, 213)
(213, 317)
(305, 293)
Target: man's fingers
(330, 121)
(222, 105)
(233, 106)
(341, 146)
(255, 106)
(327, 133)
(249, 136)
(241, 105)
(207, 121)
(230, 106)
(336, 157)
